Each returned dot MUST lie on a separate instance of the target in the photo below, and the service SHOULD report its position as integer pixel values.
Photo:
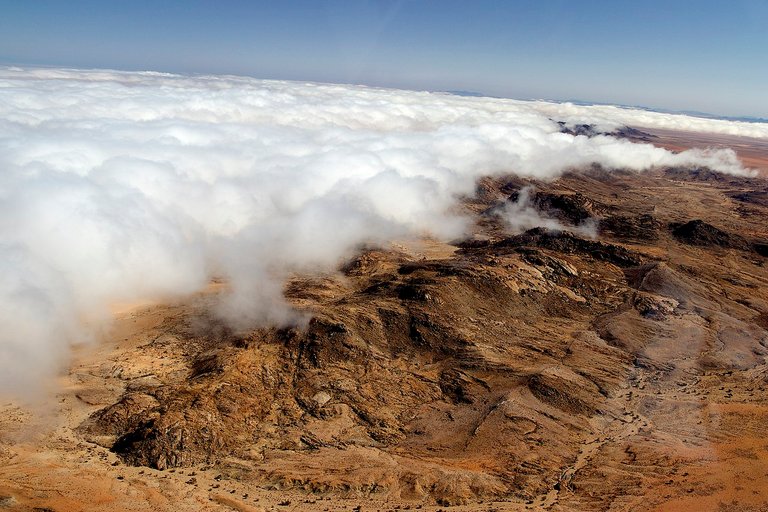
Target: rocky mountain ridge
(542, 368)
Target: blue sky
(704, 55)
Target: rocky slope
(508, 371)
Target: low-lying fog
(118, 187)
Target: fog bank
(119, 187)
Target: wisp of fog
(118, 187)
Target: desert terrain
(752, 152)
(619, 364)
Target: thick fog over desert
(275, 280)
(122, 187)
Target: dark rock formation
(698, 232)
(563, 242)
(569, 208)
(643, 228)
(590, 130)
(753, 197)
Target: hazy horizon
(457, 92)
(690, 56)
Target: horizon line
(751, 119)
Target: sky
(704, 55)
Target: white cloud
(610, 117)
(118, 186)
(521, 215)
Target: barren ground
(752, 152)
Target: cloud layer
(117, 187)
(609, 117)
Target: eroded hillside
(544, 369)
